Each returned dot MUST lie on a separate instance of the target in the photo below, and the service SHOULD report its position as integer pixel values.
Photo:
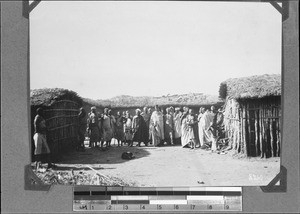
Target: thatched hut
(61, 107)
(252, 114)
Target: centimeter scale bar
(161, 199)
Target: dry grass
(251, 87)
(75, 177)
(47, 96)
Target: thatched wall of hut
(252, 114)
(61, 108)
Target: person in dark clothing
(81, 128)
(213, 129)
(138, 125)
(169, 127)
(120, 120)
(145, 114)
(191, 121)
(219, 123)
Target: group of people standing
(175, 126)
(102, 128)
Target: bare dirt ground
(173, 166)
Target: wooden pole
(236, 132)
(240, 131)
(264, 139)
(249, 139)
(256, 132)
(267, 130)
(241, 140)
(278, 140)
(261, 131)
(271, 133)
(244, 130)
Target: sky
(102, 49)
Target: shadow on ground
(97, 156)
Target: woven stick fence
(62, 124)
(253, 126)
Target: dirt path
(175, 166)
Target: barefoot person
(107, 127)
(42, 151)
(169, 126)
(138, 126)
(200, 128)
(204, 133)
(145, 114)
(177, 126)
(149, 130)
(93, 127)
(157, 127)
(213, 135)
(128, 130)
(184, 128)
(191, 123)
(113, 123)
(119, 128)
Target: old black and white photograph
(155, 94)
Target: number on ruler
(176, 206)
(108, 207)
(193, 206)
(159, 207)
(92, 207)
(125, 207)
(143, 207)
(209, 207)
(83, 207)
(227, 207)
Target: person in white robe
(128, 129)
(177, 126)
(191, 133)
(204, 124)
(200, 115)
(184, 128)
(157, 127)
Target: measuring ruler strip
(161, 199)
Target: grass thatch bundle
(251, 87)
(47, 96)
